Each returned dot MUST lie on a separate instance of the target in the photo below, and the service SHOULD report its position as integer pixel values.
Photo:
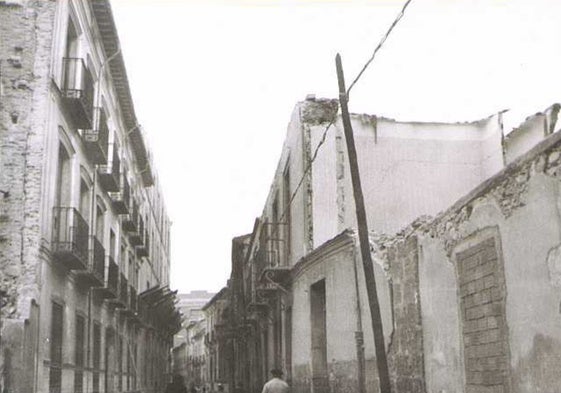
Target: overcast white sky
(214, 83)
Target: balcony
(77, 92)
(128, 222)
(120, 299)
(70, 238)
(110, 289)
(266, 291)
(121, 199)
(136, 236)
(132, 311)
(94, 274)
(110, 173)
(258, 307)
(96, 139)
(277, 274)
(124, 290)
(143, 250)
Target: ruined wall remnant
(26, 31)
(319, 111)
(399, 255)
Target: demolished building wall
(488, 281)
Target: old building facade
(185, 350)
(84, 235)
(298, 294)
(217, 346)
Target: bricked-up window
(55, 372)
(96, 356)
(482, 303)
(79, 355)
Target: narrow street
(392, 246)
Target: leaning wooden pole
(381, 359)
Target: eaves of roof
(110, 39)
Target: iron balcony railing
(94, 273)
(123, 289)
(70, 237)
(121, 200)
(135, 236)
(98, 259)
(133, 299)
(112, 278)
(143, 250)
(78, 91)
(110, 173)
(96, 139)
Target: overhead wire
(382, 41)
(330, 124)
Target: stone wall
(26, 31)
(406, 346)
(489, 285)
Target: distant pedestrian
(176, 385)
(276, 384)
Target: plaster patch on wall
(554, 266)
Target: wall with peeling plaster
(407, 169)
(521, 206)
(533, 130)
(346, 314)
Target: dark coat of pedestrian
(176, 385)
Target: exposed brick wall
(26, 31)
(482, 304)
(406, 347)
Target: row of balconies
(77, 92)
(76, 249)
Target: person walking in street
(176, 385)
(276, 384)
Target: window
(63, 178)
(100, 222)
(120, 363)
(55, 372)
(112, 244)
(79, 355)
(286, 195)
(71, 40)
(319, 336)
(96, 356)
(85, 200)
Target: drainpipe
(359, 335)
(98, 98)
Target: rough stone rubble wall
(509, 191)
(26, 33)
(25, 48)
(399, 255)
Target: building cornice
(111, 45)
(342, 241)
